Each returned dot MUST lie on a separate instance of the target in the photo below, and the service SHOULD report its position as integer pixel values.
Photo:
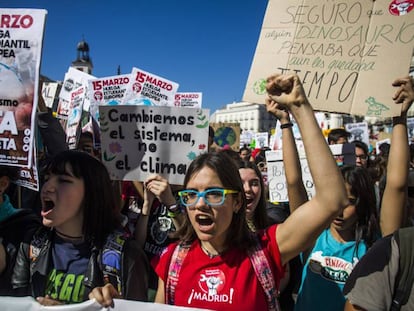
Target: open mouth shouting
(249, 201)
(47, 206)
(205, 222)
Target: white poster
(262, 140)
(188, 99)
(74, 78)
(20, 54)
(49, 93)
(359, 131)
(150, 90)
(106, 91)
(138, 141)
(344, 154)
(74, 117)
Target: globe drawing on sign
(259, 87)
(224, 136)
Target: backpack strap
(111, 260)
(180, 252)
(405, 277)
(264, 274)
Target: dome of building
(83, 46)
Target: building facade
(251, 117)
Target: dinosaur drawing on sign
(375, 108)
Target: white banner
(21, 32)
(30, 304)
(138, 141)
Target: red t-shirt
(226, 282)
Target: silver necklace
(206, 251)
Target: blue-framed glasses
(212, 197)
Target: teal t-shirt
(325, 272)
(6, 208)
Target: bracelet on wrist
(173, 210)
(174, 214)
(286, 125)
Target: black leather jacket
(29, 277)
(17, 228)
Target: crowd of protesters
(216, 241)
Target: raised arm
(302, 228)
(140, 233)
(394, 198)
(155, 187)
(296, 190)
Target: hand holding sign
(405, 93)
(286, 90)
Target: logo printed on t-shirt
(65, 287)
(330, 267)
(211, 283)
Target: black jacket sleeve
(52, 133)
(135, 272)
(20, 279)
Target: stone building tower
(83, 62)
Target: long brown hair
(227, 171)
(99, 203)
(260, 219)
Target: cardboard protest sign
(74, 117)
(21, 36)
(346, 53)
(227, 134)
(138, 141)
(188, 99)
(343, 153)
(148, 89)
(74, 78)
